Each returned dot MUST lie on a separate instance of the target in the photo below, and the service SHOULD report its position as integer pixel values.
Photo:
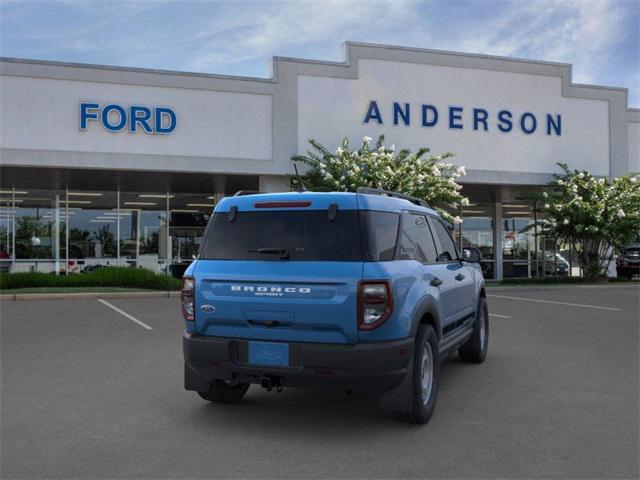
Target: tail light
(186, 298)
(375, 303)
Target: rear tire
(425, 377)
(475, 349)
(221, 392)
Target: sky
(601, 38)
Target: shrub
(594, 215)
(429, 177)
(124, 277)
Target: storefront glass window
(518, 240)
(92, 230)
(189, 214)
(6, 229)
(144, 230)
(39, 222)
(77, 231)
(477, 231)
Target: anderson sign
(459, 118)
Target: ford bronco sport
(354, 291)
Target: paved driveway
(89, 392)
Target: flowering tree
(430, 178)
(592, 214)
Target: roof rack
(378, 191)
(242, 193)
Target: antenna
(301, 187)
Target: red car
(5, 261)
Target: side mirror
(471, 255)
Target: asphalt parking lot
(87, 392)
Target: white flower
(546, 205)
(461, 171)
(392, 148)
(621, 213)
(367, 139)
(560, 182)
(545, 194)
(633, 179)
(581, 175)
(339, 151)
(464, 202)
(457, 220)
(565, 221)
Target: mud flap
(401, 397)
(194, 381)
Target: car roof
(320, 201)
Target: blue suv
(353, 291)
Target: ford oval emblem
(208, 308)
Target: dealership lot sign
(134, 118)
(459, 118)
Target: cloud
(276, 27)
(600, 37)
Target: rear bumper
(628, 269)
(371, 367)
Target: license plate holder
(270, 354)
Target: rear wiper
(283, 252)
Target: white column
(118, 227)
(274, 183)
(66, 231)
(497, 239)
(56, 234)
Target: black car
(628, 263)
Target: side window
(379, 233)
(416, 242)
(447, 248)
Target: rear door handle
(436, 282)
(459, 277)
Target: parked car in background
(353, 291)
(628, 263)
(553, 264)
(5, 262)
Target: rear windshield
(284, 234)
(301, 235)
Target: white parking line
(499, 316)
(556, 303)
(125, 314)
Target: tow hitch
(269, 383)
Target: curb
(85, 296)
(522, 288)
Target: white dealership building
(105, 165)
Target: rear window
(302, 235)
(278, 234)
